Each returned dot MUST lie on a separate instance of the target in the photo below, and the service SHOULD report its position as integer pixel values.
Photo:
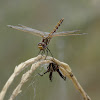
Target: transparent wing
(29, 30)
(68, 33)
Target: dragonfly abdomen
(56, 27)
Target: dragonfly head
(41, 45)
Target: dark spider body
(53, 68)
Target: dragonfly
(46, 36)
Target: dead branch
(36, 62)
(18, 69)
(25, 78)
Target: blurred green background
(82, 53)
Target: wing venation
(68, 33)
(28, 29)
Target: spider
(52, 67)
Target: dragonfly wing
(68, 33)
(46, 34)
(27, 29)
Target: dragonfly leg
(49, 51)
(46, 54)
(39, 52)
(43, 51)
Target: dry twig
(36, 62)
(25, 78)
(18, 69)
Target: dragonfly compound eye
(41, 46)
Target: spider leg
(50, 76)
(61, 74)
(43, 73)
(50, 70)
(40, 74)
(54, 66)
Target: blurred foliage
(82, 53)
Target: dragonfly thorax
(42, 45)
